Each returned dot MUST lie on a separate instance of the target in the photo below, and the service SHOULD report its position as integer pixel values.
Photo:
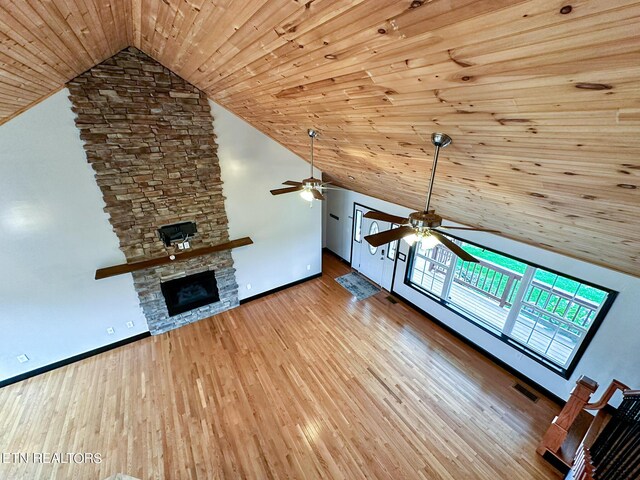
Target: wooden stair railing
(582, 468)
(567, 431)
(611, 448)
(557, 432)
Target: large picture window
(548, 315)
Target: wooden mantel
(154, 262)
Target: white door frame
(359, 249)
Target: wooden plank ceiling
(542, 98)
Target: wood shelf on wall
(154, 262)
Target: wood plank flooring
(305, 383)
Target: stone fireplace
(148, 135)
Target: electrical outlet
(308, 267)
(110, 331)
(130, 324)
(22, 358)
(248, 286)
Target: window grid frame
(578, 351)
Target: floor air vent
(527, 393)
(391, 299)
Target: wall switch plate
(22, 358)
(248, 286)
(110, 331)
(308, 267)
(129, 324)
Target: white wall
(614, 352)
(340, 203)
(55, 235)
(286, 230)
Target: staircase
(601, 447)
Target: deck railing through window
(530, 308)
(553, 321)
(489, 279)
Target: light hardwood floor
(305, 383)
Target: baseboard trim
(331, 252)
(135, 338)
(519, 375)
(70, 360)
(280, 288)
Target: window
(373, 229)
(357, 235)
(393, 246)
(549, 316)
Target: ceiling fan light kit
(427, 240)
(419, 226)
(309, 188)
(306, 194)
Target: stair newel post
(557, 432)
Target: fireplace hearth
(187, 293)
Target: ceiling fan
(419, 226)
(309, 188)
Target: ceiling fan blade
(292, 182)
(470, 228)
(280, 191)
(385, 217)
(388, 236)
(453, 247)
(316, 194)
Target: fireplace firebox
(186, 293)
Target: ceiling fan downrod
(312, 134)
(439, 140)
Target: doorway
(375, 263)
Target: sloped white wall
(614, 352)
(286, 230)
(55, 234)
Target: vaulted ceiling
(541, 97)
